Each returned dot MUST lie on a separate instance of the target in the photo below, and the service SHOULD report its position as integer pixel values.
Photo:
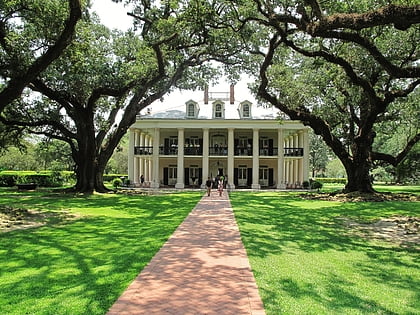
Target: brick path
(201, 269)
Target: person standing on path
(208, 185)
(220, 186)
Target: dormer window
(245, 110)
(218, 110)
(192, 109)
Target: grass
(306, 262)
(82, 266)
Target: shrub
(44, 179)
(316, 185)
(117, 182)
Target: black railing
(269, 151)
(218, 150)
(171, 150)
(243, 151)
(193, 150)
(293, 151)
(145, 150)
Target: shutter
(166, 147)
(235, 177)
(165, 176)
(200, 149)
(186, 176)
(270, 147)
(249, 177)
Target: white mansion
(218, 136)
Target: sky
(114, 15)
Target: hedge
(45, 178)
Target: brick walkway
(201, 269)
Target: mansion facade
(218, 136)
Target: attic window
(191, 110)
(245, 110)
(218, 110)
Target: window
(172, 174)
(246, 111)
(218, 110)
(263, 176)
(191, 109)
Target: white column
(295, 171)
(180, 164)
(231, 158)
(205, 159)
(306, 154)
(136, 159)
(280, 160)
(131, 155)
(141, 160)
(255, 160)
(155, 164)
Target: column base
(255, 186)
(281, 186)
(154, 185)
(179, 185)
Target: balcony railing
(143, 150)
(293, 151)
(217, 151)
(197, 150)
(243, 151)
(171, 150)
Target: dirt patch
(362, 197)
(400, 230)
(19, 218)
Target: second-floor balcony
(217, 151)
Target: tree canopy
(342, 68)
(33, 33)
(348, 69)
(90, 96)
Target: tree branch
(401, 16)
(377, 156)
(16, 85)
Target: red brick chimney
(232, 93)
(206, 95)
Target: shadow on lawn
(285, 226)
(83, 266)
(271, 223)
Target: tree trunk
(358, 178)
(358, 166)
(89, 177)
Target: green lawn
(304, 259)
(306, 262)
(82, 266)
